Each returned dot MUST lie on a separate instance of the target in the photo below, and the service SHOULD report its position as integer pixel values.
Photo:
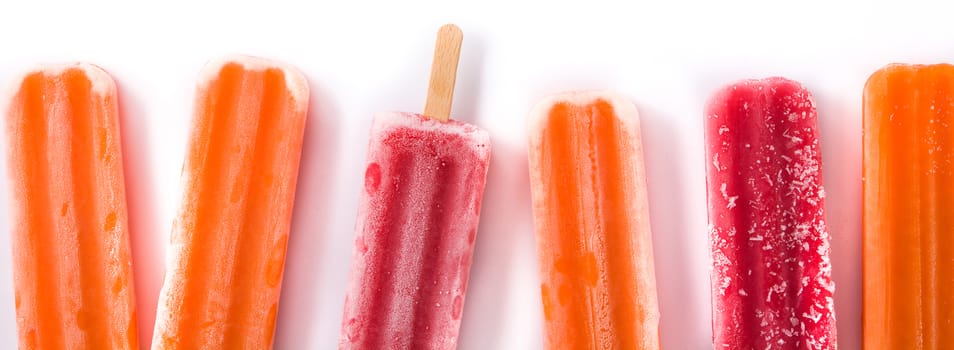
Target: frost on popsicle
(591, 221)
(771, 276)
(69, 236)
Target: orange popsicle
(72, 265)
(591, 219)
(227, 250)
(909, 208)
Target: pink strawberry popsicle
(771, 276)
(417, 221)
(415, 233)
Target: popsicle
(771, 274)
(227, 250)
(417, 221)
(72, 267)
(591, 218)
(909, 208)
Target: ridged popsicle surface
(591, 217)
(227, 251)
(71, 254)
(771, 277)
(909, 208)
(417, 223)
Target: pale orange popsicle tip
(101, 83)
(295, 81)
(625, 109)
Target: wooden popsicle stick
(440, 92)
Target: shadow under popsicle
(840, 128)
(8, 335)
(147, 243)
(504, 213)
(666, 170)
(504, 222)
(310, 230)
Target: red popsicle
(416, 230)
(417, 222)
(771, 277)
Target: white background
(361, 58)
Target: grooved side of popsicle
(227, 249)
(909, 208)
(416, 228)
(72, 264)
(771, 277)
(592, 224)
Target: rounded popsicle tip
(879, 78)
(783, 82)
(775, 84)
(625, 109)
(101, 83)
(769, 82)
(294, 80)
(883, 74)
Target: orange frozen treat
(72, 265)
(909, 208)
(227, 250)
(591, 218)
